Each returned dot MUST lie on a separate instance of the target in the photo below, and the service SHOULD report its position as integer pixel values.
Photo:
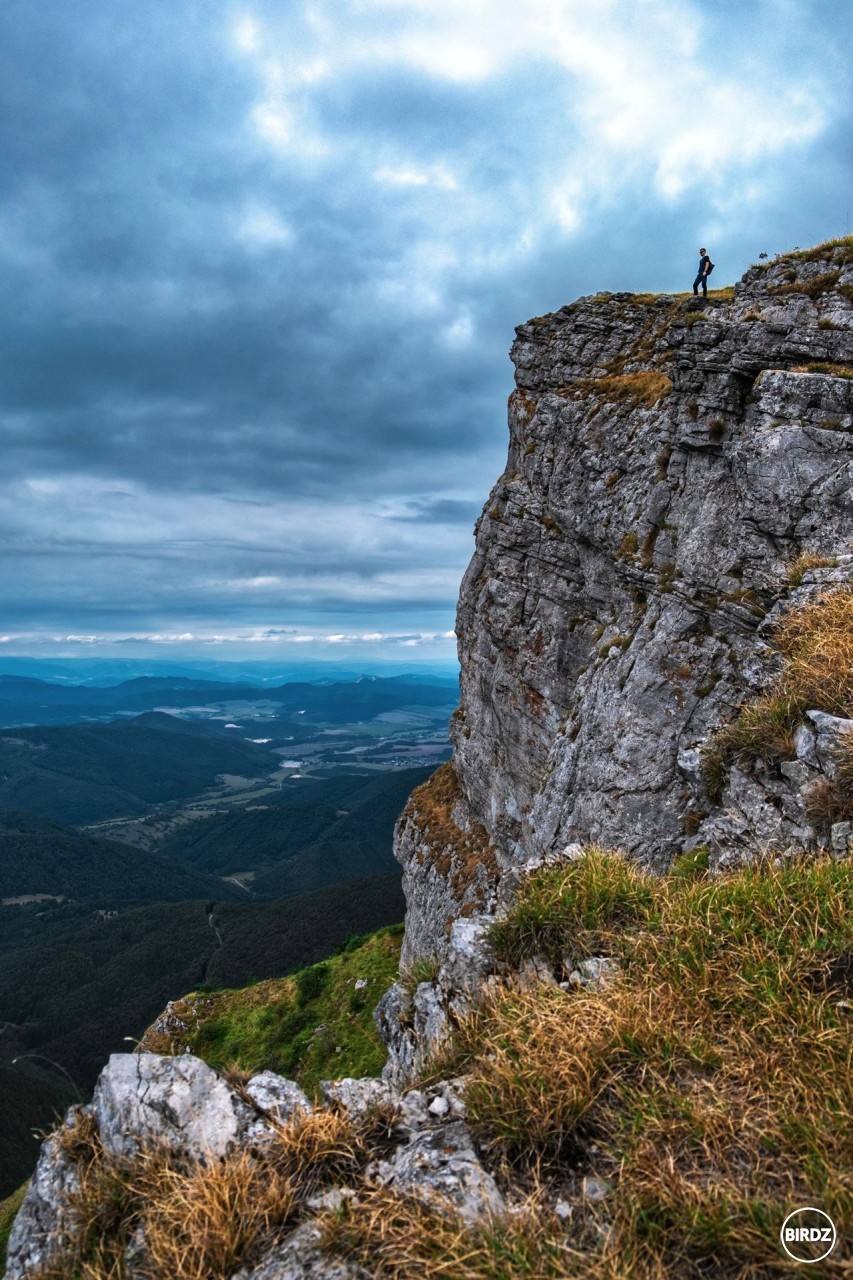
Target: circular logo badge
(808, 1235)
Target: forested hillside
(75, 1001)
(40, 857)
(337, 830)
(83, 773)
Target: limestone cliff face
(668, 460)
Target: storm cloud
(262, 264)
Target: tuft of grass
(839, 249)
(805, 561)
(823, 366)
(549, 921)
(816, 642)
(424, 969)
(618, 642)
(400, 1237)
(636, 390)
(202, 1219)
(830, 800)
(813, 288)
(629, 546)
(461, 856)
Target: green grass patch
(822, 366)
(424, 969)
(571, 913)
(840, 250)
(814, 288)
(314, 1025)
(8, 1211)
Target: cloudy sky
(262, 262)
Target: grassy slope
(706, 1088)
(309, 1027)
(76, 1001)
(710, 1084)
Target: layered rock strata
(669, 460)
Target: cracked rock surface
(192, 1114)
(668, 460)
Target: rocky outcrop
(668, 460)
(182, 1110)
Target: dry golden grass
(457, 855)
(319, 1148)
(200, 1223)
(804, 562)
(830, 800)
(201, 1219)
(638, 390)
(816, 642)
(709, 1084)
(712, 1082)
(813, 288)
(399, 1237)
(839, 249)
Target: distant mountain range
(83, 670)
(25, 699)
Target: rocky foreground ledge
(616, 1060)
(414, 1141)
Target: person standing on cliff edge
(706, 266)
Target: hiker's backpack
(710, 268)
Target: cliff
(678, 476)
